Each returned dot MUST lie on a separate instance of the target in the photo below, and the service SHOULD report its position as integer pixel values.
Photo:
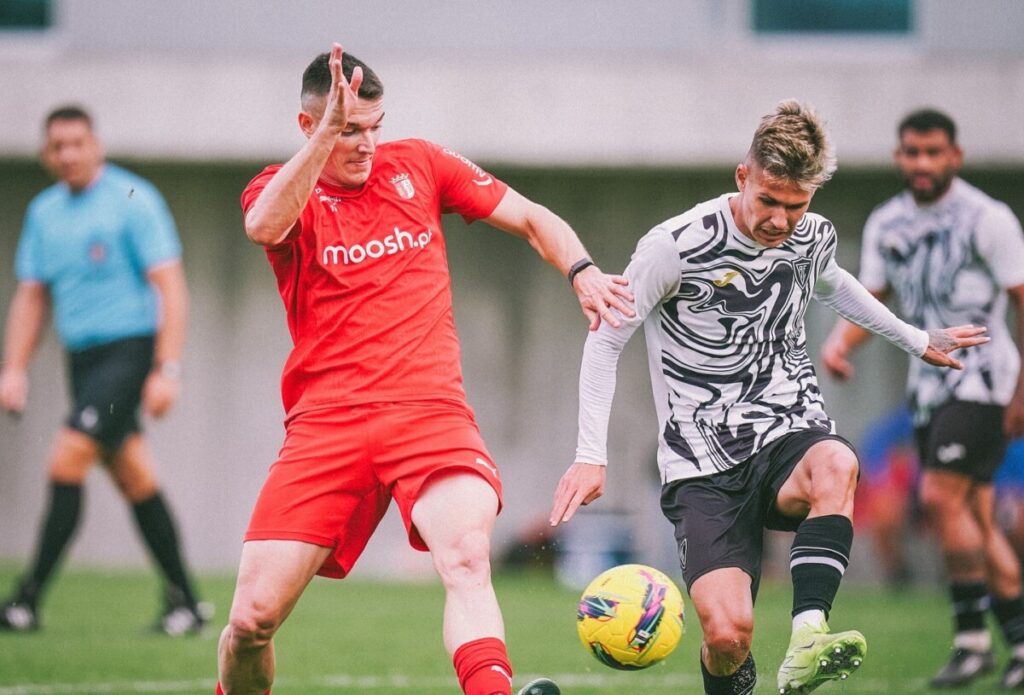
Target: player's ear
(307, 123)
(741, 176)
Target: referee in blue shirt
(100, 248)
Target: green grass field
(362, 637)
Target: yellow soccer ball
(630, 617)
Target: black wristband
(578, 267)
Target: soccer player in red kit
(373, 387)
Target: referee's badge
(403, 185)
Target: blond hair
(792, 144)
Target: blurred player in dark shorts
(951, 253)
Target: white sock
(1018, 651)
(815, 617)
(973, 640)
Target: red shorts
(339, 469)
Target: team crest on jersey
(801, 268)
(403, 184)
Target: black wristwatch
(578, 267)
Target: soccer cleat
(1013, 676)
(540, 686)
(816, 656)
(181, 620)
(963, 667)
(18, 616)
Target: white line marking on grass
(614, 682)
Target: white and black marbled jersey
(949, 264)
(724, 323)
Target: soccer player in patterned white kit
(373, 388)
(744, 441)
(953, 254)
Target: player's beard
(939, 185)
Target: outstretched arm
(847, 297)
(584, 481)
(25, 320)
(558, 244)
(654, 275)
(279, 205)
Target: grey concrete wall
(663, 82)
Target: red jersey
(365, 283)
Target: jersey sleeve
(151, 228)
(841, 292)
(1000, 242)
(462, 186)
(253, 190)
(28, 259)
(653, 275)
(872, 265)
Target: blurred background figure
(100, 248)
(951, 253)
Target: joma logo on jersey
(400, 240)
(725, 279)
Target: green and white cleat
(816, 656)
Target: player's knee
(840, 465)
(728, 642)
(252, 628)
(727, 651)
(465, 562)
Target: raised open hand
(942, 341)
(341, 100)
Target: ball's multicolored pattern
(630, 617)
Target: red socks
(481, 665)
(220, 690)
(483, 668)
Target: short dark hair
(316, 80)
(923, 120)
(68, 112)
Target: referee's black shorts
(106, 389)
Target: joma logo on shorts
(400, 240)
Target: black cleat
(1013, 676)
(963, 667)
(18, 616)
(540, 686)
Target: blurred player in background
(100, 246)
(373, 387)
(745, 441)
(953, 254)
